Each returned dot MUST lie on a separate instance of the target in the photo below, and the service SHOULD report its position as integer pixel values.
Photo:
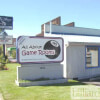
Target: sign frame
(40, 62)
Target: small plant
(3, 63)
(3, 67)
(3, 60)
(13, 54)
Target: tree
(14, 54)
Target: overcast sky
(28, 15)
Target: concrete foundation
(53, 71)
(41, 83)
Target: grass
(11, 91)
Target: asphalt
(92, 81)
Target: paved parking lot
(92, 81)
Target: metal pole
(4, 34)
(4, 50)
(50, 27)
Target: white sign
(8, 40)
(39, 49)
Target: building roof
(65, 30)
(83, 43)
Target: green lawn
(10, 91)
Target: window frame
(98, 56)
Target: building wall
(74, 56)
(76, 63)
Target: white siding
(74, 55)
(76, 63)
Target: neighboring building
(13, 43)
(81, 48)
(11, 47)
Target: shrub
(14, 53)
(3, 60)
(3, 63)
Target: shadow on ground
(69, 83)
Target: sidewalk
(1, 97)
(12, 60)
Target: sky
(29, 15)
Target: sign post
(4, 37)
(5, 23)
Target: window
(92, 56)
